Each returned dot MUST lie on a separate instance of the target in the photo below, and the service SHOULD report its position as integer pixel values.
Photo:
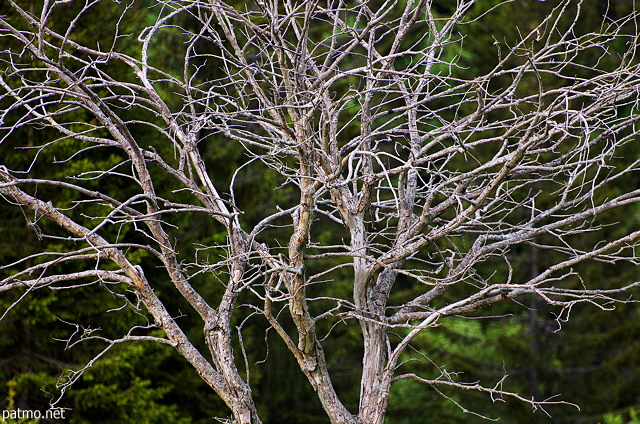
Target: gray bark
(423, 173)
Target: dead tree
(364, 111)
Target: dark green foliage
(150, 384)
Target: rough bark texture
(399, 166)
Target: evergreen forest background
(593, 362)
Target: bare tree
(360, 107)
